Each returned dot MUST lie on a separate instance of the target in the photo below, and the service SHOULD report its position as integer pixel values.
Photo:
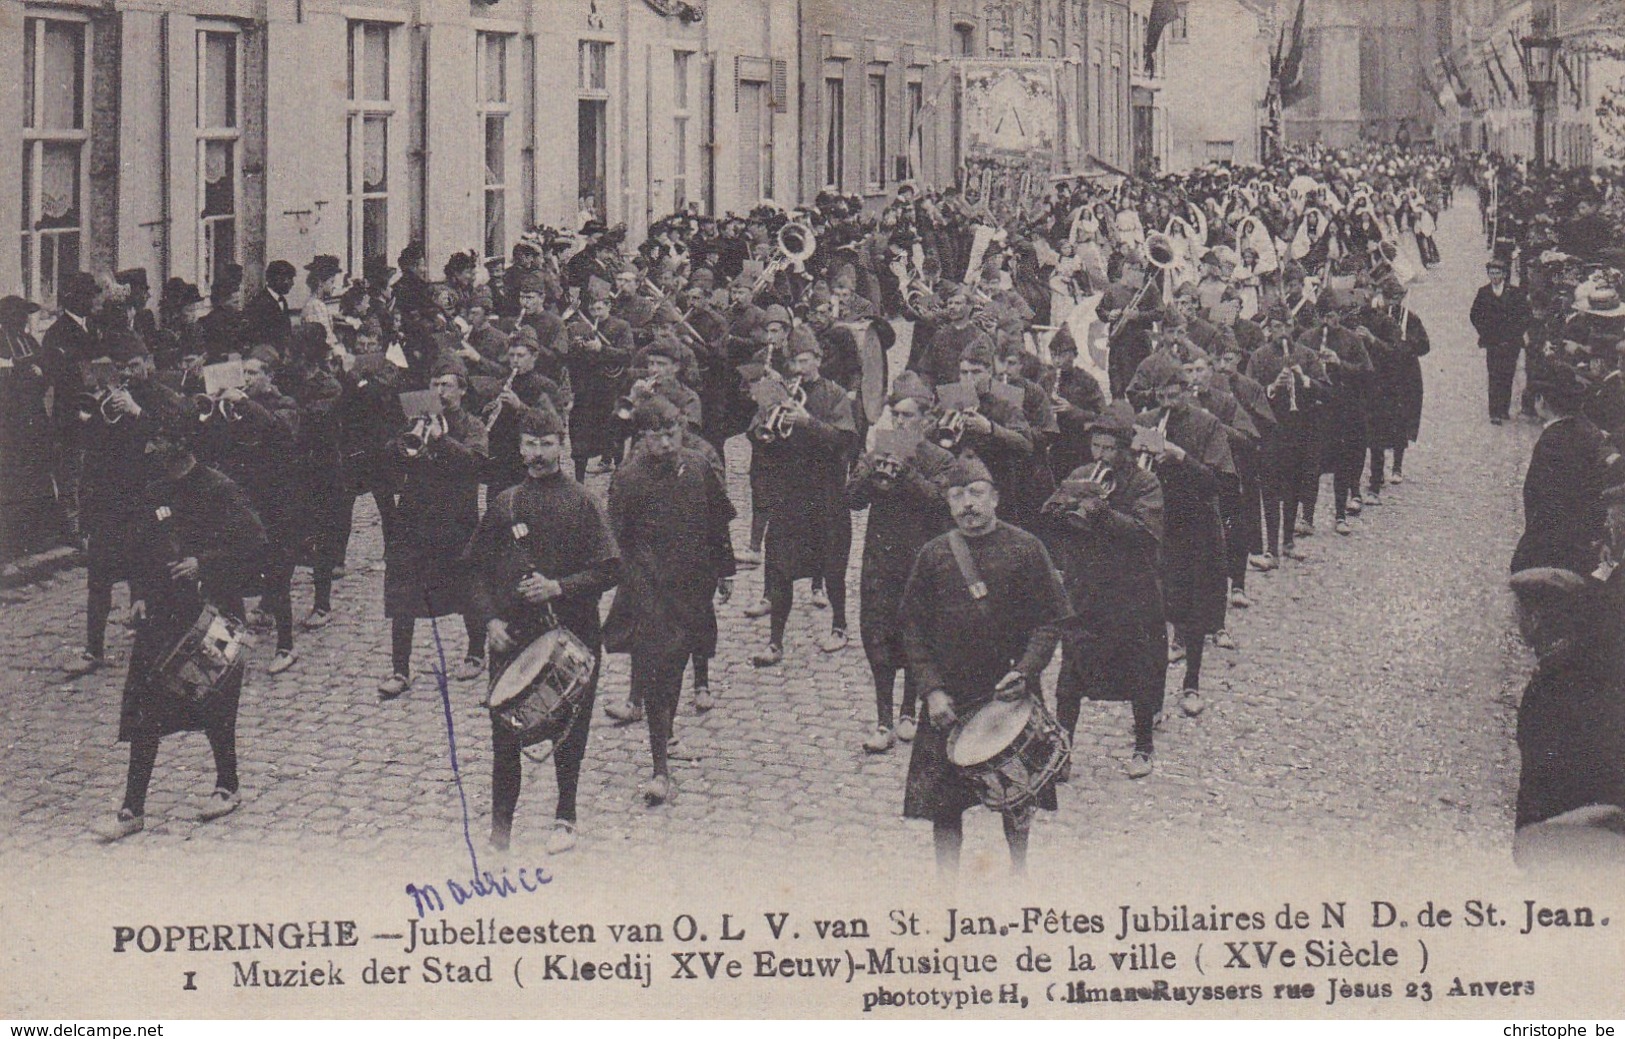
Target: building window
(592, 128)
(754, 98)
(916, 132)
(56, 70)
(493, 109)
(964, 40)
(370, 107)
(876, 152)
(835, 133)
(681, 60)
(219, 150)
(1179, 30)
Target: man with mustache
(972, 633)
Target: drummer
(543, 546)
(967, 649)
(197, 542)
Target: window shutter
(736, 82)
(781, 85)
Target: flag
(1289, 68)
(1568, 74)
(1495, 84)
(1464, 92)
(1162, 12)
(1512, 88)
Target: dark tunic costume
(595, 380)
(1195, 577)
(809, 530)
(963, 646)
(438, 511)
(670, 518)
(554, 527)
(1563, 517)
(205, 516)
(1116, 648)
(902, 518)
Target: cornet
(777, 425)
(423, 429)
(642, 386)
(950, 429)
(99, 403)
(206, 407)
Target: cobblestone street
(1369, 704)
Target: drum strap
(967, 569)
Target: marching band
(1117, 401)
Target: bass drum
(874, 377)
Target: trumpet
(776, 425)
(796, 243)
(91, 405)
(1101, 475)
(493, 410)
(642, 387)
(887, 468)
(206, 406)
(423, 429)
(950, 429)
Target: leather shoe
(771, 657)
(561, 838)
(906, 727)
(1139, 766)
(880, 741)
(626, 713)
(820, 599)
(1192, 703)
(83, 664)
(761, 608)
(394, 686)
(834, 642)
(316, 619)
(221, 802)
(281, 662)
(470, 669)
(1343, 528)
(659, 790)
(702, 699)
(1239, 600)
(124, 824)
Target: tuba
(796, 244)
(1159, 250)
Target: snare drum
(536, 695)
(1009, 751)
(206, 657)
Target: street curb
(35, 568)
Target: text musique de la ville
(446, 950)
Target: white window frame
(600, 95)
(486, 110)
(359, 110)
(875, 175)
(232, 134)
(835, 129)
(35, 139)
(682, 100)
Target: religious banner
(1010, 133)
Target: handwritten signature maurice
(426, 898)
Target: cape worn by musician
(548, 525)
(669, 512)
(809, 530)
(1116, 647)
(1194, 565)
(191, 517)
(905, 512)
